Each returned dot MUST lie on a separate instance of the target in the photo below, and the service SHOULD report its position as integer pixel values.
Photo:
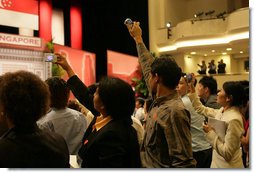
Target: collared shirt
(101, 122)
(67, 122)
(167, 140)
(199, 141)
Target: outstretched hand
(62, 61)
(135, 31)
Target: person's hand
(135, 31)
(62, 61)
(207, 128)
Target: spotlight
(168, 25)
(210, 12)
(198, 14)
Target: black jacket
(33, 148)
(114, 146)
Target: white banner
(20, 40)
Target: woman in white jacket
(226, 152)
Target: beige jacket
(226, 154)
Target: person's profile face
(222, 98)
(182, 87)
(98, 104)
(200, 90)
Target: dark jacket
(114, 146)
(33, 148)
(81, 92)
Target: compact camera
(50, 57)
(189, 77)
(128, 21)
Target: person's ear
(229, 98)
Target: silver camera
(128, 21)
(50, 57)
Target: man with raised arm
(167, 140)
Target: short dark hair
(24, 97)
(59, 92)
(168, 70)
(117, 97)
(210, 83)
(236, 91)
(141, 101)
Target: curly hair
(167, 68)
(24, 98)
(118, 97)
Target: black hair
(141, 101)
(168, 70)
(24, 97)
(59, 92)
(210, 83)
(92, 88)
(236, 91)
(117, 97)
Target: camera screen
(49, 57)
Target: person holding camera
(167, 140)
(227, 151)
(212, 67)
(203, 68)
(202, 150)
(221, 66)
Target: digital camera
(189, 77)
(128, 21)
(50, 57)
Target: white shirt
(67, 122)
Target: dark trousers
(203, 158)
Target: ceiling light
(193, 53)
(229, 49)
(224, 53)
(241, 51)
(213, 50)
(205, 54)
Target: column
(76, 24)
(45, 19)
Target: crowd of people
(108, 127)
(212, 68)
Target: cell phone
(128, 21)
(50, 57)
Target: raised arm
(196, 103)
(145, 57)
(78, 88)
